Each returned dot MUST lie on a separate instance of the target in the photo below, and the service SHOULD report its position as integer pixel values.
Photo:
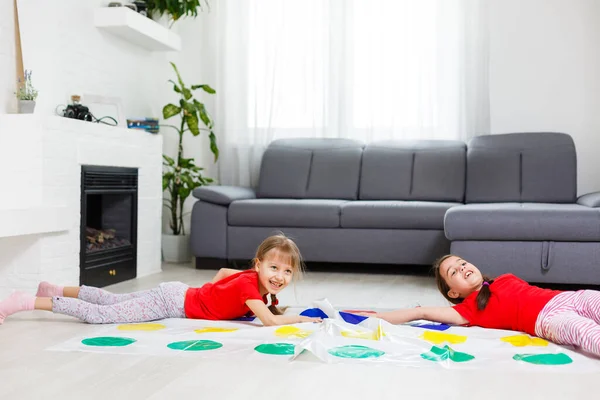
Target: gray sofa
(505, 202)
(522, 214)
(340, 200)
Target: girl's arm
(224, 273)
(265, 315)
(446, 315)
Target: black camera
(78, 111)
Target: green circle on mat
(195, 345)
(544, 358)
(355, 351)
(108, 341)
(278, 349)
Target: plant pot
(26, 106)
(176, 248)
(163, 20)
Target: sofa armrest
(223, 195)
(590, 199)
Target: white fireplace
(40, 207)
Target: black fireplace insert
(109, 198)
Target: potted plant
(175, 9)
(26, 94)
(181, 175)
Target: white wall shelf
(136, 28)
(34, 220)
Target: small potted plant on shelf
(26, 94)
(175, 9)
(181, 175)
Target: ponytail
(484, 293)
(273, 307)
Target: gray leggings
(98, 306)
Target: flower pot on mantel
(26, 106)
(176, 248)
(162, 20)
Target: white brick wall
(69, 55)
(54, 179)
(40, 160)
(21, 170)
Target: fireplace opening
(108, 225)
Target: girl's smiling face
(462, 277)
(274, 272)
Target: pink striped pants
(572, 318)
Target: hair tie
(485, 283)
(274, 301)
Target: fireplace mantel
(40, 210)
(28, 221)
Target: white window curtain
(362, 69)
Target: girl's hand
(268, 319)
(302, 318)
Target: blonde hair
(286, 247)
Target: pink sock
(16, 302)
(46, 289)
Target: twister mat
(343, 337)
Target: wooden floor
(29, 371)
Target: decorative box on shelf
(136, 28)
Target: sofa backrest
(413, 170)
(310, 168)
(522, 167)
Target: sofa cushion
(523, 221)
(284, 172)
(413, 170)
(309, 213)
(522, 167)
(394, 214)
(310, 168)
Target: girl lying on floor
(507, 302)
(231, 294)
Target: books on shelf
(147, 124)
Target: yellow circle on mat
(292, 331)
(439, 337)
(211, 329)
(524, 340)
(360, 335)
(141, 327)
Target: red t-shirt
(513, 304)
(224, 299)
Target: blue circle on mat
(314, 313)
(352, 318)
(435, 327)
(244, 319)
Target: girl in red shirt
(507, 302)
(231, 294)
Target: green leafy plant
(177, 8)
(25, 90)
(181, 175)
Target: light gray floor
(28, 371)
